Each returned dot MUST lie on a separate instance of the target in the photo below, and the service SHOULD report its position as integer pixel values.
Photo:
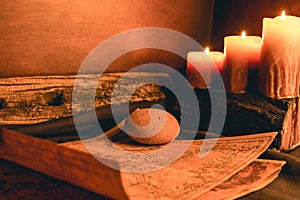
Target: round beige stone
(151, 126)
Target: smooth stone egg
(151, 126)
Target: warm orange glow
(283, 16)
(243, 34)
(206, 50)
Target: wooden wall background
(54, 36)
(231, 17)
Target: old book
(39, 186)
(254, 177)
(253, 113)
(30, 100)
(187, 177)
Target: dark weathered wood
(29, 100)
(63, 129)
(253, 113)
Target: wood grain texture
(40, 37)
(252, 113)
(18, 182)
(29, 100)
(64, 129)
(62, 163)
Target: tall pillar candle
(279, 74)
(203, 66)
(242, 53)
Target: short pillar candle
(203, 67)
(242, 53)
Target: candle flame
(206, 50)
(283, 16)
(243, 34)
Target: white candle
(279, 74)
(241, 54)
(243, 48)
(203, 66)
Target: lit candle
(217, 58)
(279, 73)
(242, 53)
(203, 66)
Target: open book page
(255, 176)
(189, 176)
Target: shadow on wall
(231, 17)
